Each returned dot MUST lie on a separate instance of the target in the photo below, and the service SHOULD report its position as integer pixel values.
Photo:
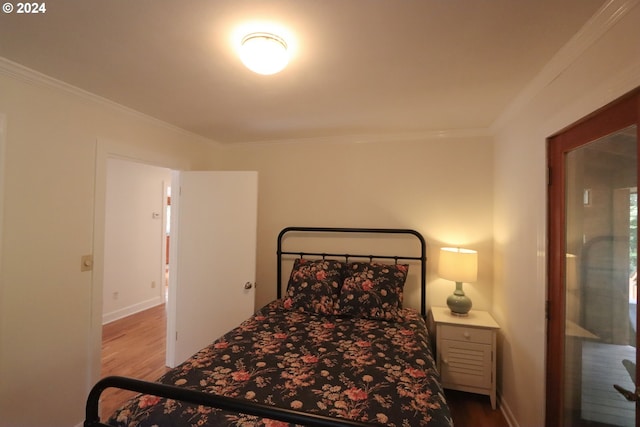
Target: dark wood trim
(555, 293)
(614, 116)
(617, 115)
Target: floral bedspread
(375, 371)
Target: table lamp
(459, 265)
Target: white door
(213, 258)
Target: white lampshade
(264, 53)
(458, 265)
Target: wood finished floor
(135, 347)
(473, 410)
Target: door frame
(621, 113)
(3, 132)
(105, 149)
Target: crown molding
(605, 18)
(368, 139)
(28, 75)
(620, 83)
(20, 72)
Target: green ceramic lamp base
(458, 302)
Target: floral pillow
(372, 290)
(314, 285)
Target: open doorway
(135, 274)
(135, 271)
(233, 222)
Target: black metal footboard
(206, 399)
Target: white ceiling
(360, 67)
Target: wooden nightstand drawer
(466, 334)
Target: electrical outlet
(153, 284)
(115, 295)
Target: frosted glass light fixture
(459, 265)
(264, 53)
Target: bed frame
(422, 257)
(243, 406)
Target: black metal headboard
(422, 257)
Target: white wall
(134, 238)
(442, 187)
(602, 64)
(46, 313)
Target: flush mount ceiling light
(264, 53)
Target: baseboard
(132, 309)
(506, 411)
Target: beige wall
(441, 187)
(134, 231)
(594, 76)
(46, 316)
(462, 191)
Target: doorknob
(248, 285)
(629, 395)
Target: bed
(338, 348)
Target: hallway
(133, 347)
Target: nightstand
(466, 351)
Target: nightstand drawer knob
(445, 361)
(466, 334)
